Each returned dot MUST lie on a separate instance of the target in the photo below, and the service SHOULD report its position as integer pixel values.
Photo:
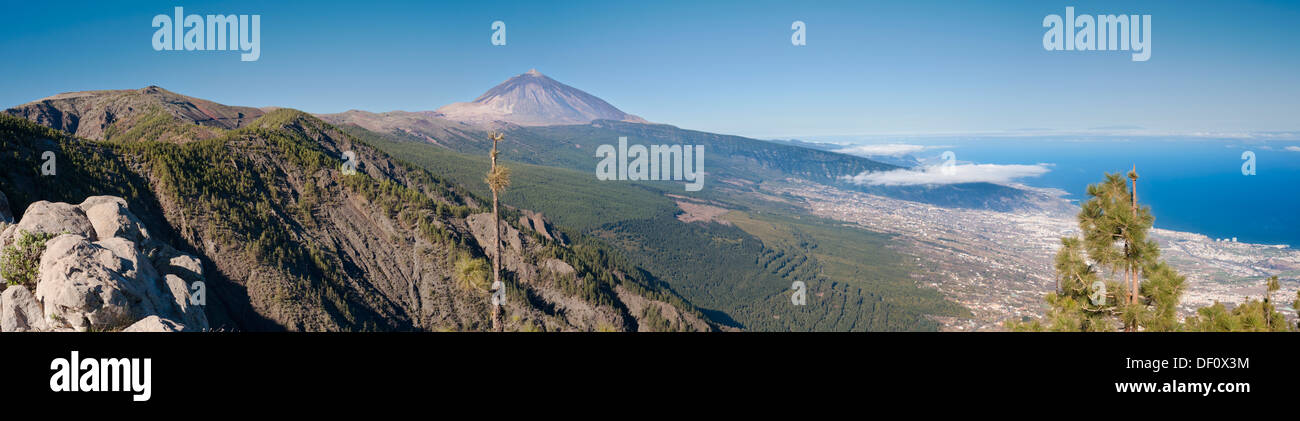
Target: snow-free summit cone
(532, 99)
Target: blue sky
(729, 67)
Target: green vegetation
(598, 269)
(727, 156)
(1250, 316)
(567, 197)
(654, 319)
(157, 124)
(20, 261)
(472, 272)
(83, 168)
(855, 282)
(850, 255)
(746, 280)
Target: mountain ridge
(103, 114)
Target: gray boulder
(147, 281)
(185, 266)
(56, 218)
(109, 218)
(192, 315)
(101, 273)
(102, 285)
(20, 312)
(154, 324)
(93, 201)
(6, 234)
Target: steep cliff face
(303, 227)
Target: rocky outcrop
(544, 281)
(56, 218)
(102, 285)
(558, 267)
(679, 320)
(187, 267)
(154, 324)
(100, 274)
(512, 245)
(7, 234)
(109, 217)
(187, 312)
(537, 222)
(20, 312)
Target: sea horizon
(1192, 184)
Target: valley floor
(999, 264)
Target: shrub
(20, 261)
(472, 273)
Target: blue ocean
(1192, 184)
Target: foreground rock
(189, 314)
(20, 312)
(154, 324)
(56, 218)
(109, 218)
(7, 234)
(101, 273)
(101, 286)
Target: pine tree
(498, 178)
(1082, 302)
(1270, 286)
(1131, 271)
(1114, 237)
(1160, 293)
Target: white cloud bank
(936, 175)
(1292, 148)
